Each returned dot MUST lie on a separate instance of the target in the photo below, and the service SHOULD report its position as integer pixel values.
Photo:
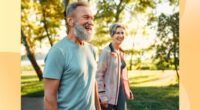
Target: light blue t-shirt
(75, 67)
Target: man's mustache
(88, 25)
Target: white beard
(81, 33)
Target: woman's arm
(126, 85)
(101, 70)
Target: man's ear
(70, 21)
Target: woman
(112, 78)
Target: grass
(155, 98)
(27, 68)
(30, 85)
(153, 90)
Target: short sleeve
(54, 64)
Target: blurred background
(151, 46)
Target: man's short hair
(70, 9)
(113, 28)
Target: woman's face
(119, 35)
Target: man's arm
(50, 93)
(97, 103)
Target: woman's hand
(104, 104)
(131, 97)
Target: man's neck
(74, 39)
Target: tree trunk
(46, 28)
(176, 61)
(131, 60)
(120, 8)
(31, 56)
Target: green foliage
(105, 10)
(137, 63)
(107, 13)
(168, 41)
(172, 2)
(142, 5)
(41, 20)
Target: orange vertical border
(189, 54)
(10, 55)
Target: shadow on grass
(155, 98)
(146, 79)
(142, 81)
(35, 94)
(31, 87)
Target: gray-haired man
(70, 66)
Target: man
(70, 66)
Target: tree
(26, 37)
(109, 12)
(168, 41)
(40, 20)
(31, 55)
(51, 13)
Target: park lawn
(153, 90)
(31, 86)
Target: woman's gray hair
(113, 28)
(70, 9)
